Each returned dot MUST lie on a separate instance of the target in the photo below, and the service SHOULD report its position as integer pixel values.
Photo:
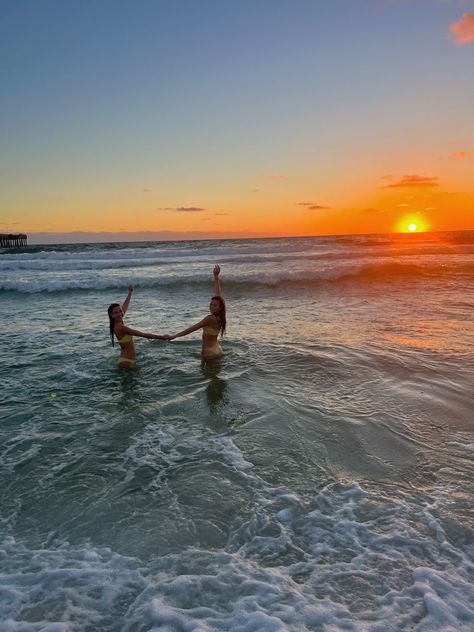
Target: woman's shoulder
(212, 320)
(120, 329)
(209, 319)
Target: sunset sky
(235, 118)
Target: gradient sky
(236, 117)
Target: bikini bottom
(125, 363)
(209, 353)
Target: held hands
(168, 337)
(216, 270)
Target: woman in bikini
(125, 334)
(212, 325)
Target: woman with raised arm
(125, 334)
(212, 325)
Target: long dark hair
(112, 321)
(221, 316)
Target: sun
(412, 223)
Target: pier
(13, 241)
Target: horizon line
(194, 236)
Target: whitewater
(318, 478)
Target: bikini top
(126, 338)
(211, 330)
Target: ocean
(318, 477)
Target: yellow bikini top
(126, 338)
(211, 330)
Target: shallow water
(319, 477)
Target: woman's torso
(127, 346)
(210, 344)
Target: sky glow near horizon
(255, 118)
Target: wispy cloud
(190, 209)
(145, 190)
(312, 206)
(414, 181)
(463, 31)
(460, 154)
(221, 213)
(182, 209)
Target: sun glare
(413, 223)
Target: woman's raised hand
(216, 270)
(130, 288)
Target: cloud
(256, 190)
(221, 213)
(182, 209)
(145, 190)
(312, 206)
(386, 177)
(463, 31)
(190, 209)
(460, 154)
(414, 181)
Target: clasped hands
(168, 337)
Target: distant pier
(13, 241)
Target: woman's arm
(205, 321)
(140, 334)
(126, 302)
(217, 285)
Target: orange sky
(265, 129)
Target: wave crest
(348, 272)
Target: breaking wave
(250, 279)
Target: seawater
(319, 477)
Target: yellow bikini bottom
(209, 353)
(126, 363)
